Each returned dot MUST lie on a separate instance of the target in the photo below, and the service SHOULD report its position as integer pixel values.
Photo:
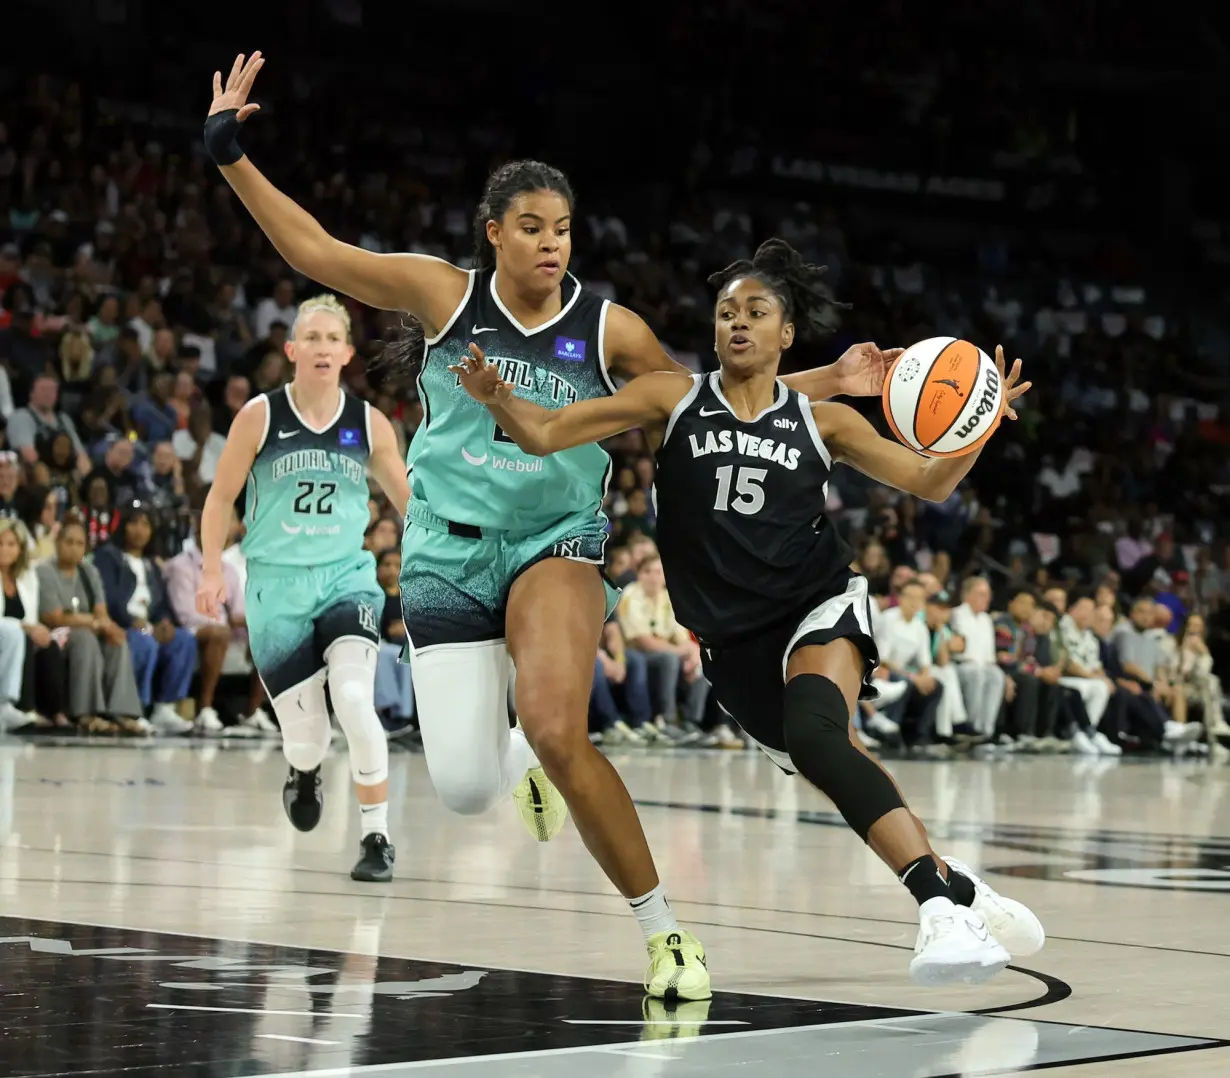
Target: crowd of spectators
(140, 309)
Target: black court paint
(1111, 858)
(81, 999)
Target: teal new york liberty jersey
(463, 467)
(307, 491)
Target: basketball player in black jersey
(762, 577)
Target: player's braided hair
(503, 185)
(806, 298)
(400, 360)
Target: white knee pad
(304, 719)
(461, 695)
(352, 687)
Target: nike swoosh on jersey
(476, 328)
(287, 433)
(716, 411)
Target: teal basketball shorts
(295, 613)
(455, 578)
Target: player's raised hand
(210, 593)
(234, 94)
(481, 379)
(863, 368)
(1012, 390)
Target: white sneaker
(1217, 725)
(1012, 923)
(13, 718)
(879, 725)
(954, 944)
(1083, 744)
(207, 723)
(167, 721)
(619, 732)
(1105, 746)
(260, 721)
(868, 741)
(1182, 732)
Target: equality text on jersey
(523, 376)
(318, 460)
(747, 445)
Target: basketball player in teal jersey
(502, 557)
(313, 600)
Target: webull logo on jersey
(987, 405)
(748, 445)
(502, 464)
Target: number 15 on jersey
(749, 494)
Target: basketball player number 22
(749, 495)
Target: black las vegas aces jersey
(740, 508)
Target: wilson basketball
(943, 397)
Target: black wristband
(221, 131)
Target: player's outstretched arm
(632, 350)
(850, 438)
(386, 462)
(429, 288)
(242, 443)
(644, 402)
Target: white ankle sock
(654, 912)
(375, 819)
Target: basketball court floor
(159, 916)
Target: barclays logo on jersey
(570, 349)
(348, 436)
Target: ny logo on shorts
(367, 619)
(567, 548)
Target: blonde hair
(76, 356)
(328, 303)
(23, 542)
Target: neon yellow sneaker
(542, 806)
(677, 967)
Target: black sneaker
(303, 799)
(376, 864)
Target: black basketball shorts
(749, 677)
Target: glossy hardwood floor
(159, 916)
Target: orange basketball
(943, 397)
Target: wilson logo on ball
(989, 404)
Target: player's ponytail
(805, 296)
(505, 184)
(399, 362)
